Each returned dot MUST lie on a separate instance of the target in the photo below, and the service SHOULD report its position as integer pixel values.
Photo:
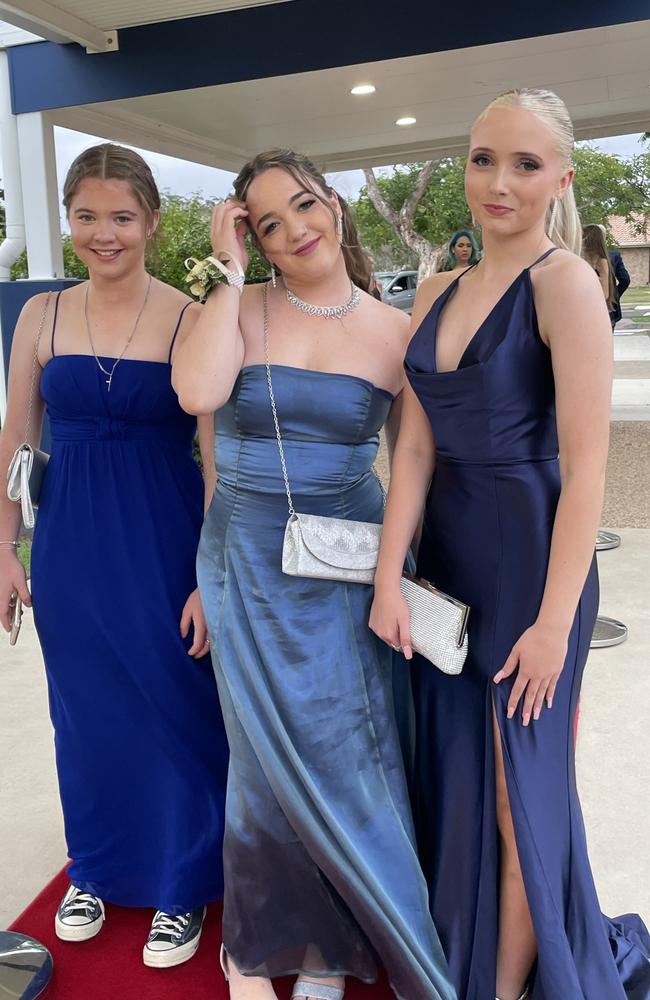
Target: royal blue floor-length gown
(321, 867)
(140, 747)
(486, 540)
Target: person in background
(141, 751)
(594, 251)
(463, 251)
(621, 278)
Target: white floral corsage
(203, 275)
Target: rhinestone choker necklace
(325, 312)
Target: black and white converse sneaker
(173, 940)
(79, 917)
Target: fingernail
(408, 652)
(511, 712)
(550, 703)
(536, 715)
(526, 719)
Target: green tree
(604, 185)
(607, 185)
(439, 210)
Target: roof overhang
(219, 87)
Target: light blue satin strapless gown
(320, 866)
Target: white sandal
(317, 991)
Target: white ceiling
(603, 74)
(88, 21)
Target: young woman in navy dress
(509, 365)
(140, 747)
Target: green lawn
(25, 553)
(636, 296)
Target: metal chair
(607, 631)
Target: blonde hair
(305, 173)
(562, 220)
(594, 249)
(109, 161)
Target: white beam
(57, 25)
(40, 196)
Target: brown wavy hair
(109, 161)
(305, 173)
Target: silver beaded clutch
(438, 624)
(330, 548)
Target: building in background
(634, 246)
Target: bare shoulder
(170, 295)
(392, 321)
(428, 291)
(564, 279)
(38, 309)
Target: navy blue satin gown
(141, 750)
(320, 860)
(486, 539)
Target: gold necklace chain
(129, 338)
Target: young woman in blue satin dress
(320, 865)
(510, 362)
(140, 747)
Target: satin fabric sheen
(140, 747)
(321, 868)
(487, 532)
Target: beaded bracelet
(205, 274)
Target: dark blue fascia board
(285, 38)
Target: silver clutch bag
(25, 478)
(27, 467)
(330, 548)
(326, 548)
(438, 624)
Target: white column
(40, 195)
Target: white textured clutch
(438, 624)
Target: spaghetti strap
(56, 313)
(547, 253)
(175, 334)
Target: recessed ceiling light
(407, 120)
(363, 88)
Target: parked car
(398, 288)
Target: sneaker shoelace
(173, 927)
(83, 903)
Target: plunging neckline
(448, 294)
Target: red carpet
(109, 967)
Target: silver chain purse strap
(325, 548)
(331, 548)
(27, 467)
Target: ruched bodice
(498, 406)
(339, 414)
(141, 406)
(319, 847)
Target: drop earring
(339, 228)
(273, 277)
(553, 216)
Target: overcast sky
(181, 177)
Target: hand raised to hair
(228, 231)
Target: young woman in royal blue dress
(510, 362)
(140, 746)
